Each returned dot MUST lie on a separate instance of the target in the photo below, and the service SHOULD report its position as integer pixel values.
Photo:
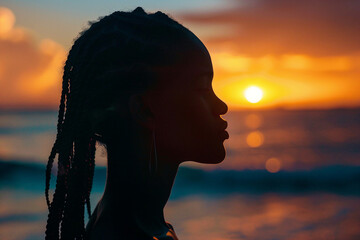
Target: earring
(152, 170)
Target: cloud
(291, 44)
(304, 54)
(30, 73)
(277, 27)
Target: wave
(339, 179)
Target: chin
(214, 158)
(207, 155)
(217, 160)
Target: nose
(220, 106)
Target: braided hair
(116, 56)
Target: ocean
(287, 175)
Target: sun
(253, 94)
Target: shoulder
(170, 235)
(104, 228)
(170, 226)
(122, 232)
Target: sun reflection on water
(255, 139)
(273, 165)
(253, 121)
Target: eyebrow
(207, 74)
(210, 75)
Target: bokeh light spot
(253, 121)
(273, 165)
(255, 139)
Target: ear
(140, 110)
(100, 116)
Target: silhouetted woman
(141, 85)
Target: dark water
(218, 204)
(314, 193)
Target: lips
(224, 125)
(225, 134)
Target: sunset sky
(300, 54)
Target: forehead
(194, 65)
(196, 58)
(189, 60)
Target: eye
(204, 88)
(203, 84)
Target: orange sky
(302, 54)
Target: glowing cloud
(301, 57)
(7, 20)
(30, 74)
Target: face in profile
(187, 113)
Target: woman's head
(130, 70)
(127, 54)
(123, 54)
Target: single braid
(90, 173)
(56, 207)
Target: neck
(133, 193)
